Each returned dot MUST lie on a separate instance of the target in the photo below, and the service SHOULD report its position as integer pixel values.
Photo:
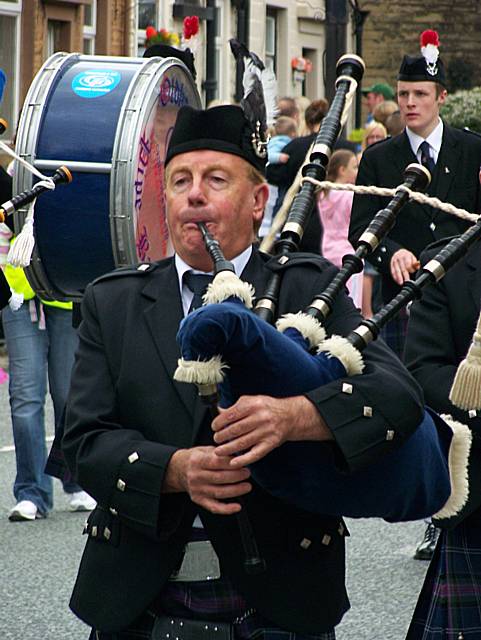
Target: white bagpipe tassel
(340, 348)
(226, 285)
(310, 328)
(466, 389)
(20, 253)
(207, 372)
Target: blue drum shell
(72, 229)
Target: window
(55, 29)
(89, 27)
(149, 12)
(9, 61)
(271, 39)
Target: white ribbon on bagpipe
(20, 253)
(281, 216)
(421, 198)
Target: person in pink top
(335, 213)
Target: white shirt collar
(182, 267)
(435, 140)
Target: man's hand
(403, 263)
(255, 425)
(208, 479)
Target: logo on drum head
(95, 83)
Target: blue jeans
(34, 354)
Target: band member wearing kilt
(163, 551)
(452, 156)
(439, 334)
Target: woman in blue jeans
(41, 343)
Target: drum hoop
(124, 152)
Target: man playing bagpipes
(452, 156)
(440, 331)
(164, 549)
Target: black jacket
(455, 180)
(440, 331)
(123, 399)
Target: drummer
(163, 551)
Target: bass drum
(109, 121)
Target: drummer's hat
(166, 51)
(426, 67)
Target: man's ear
(261, 196)
(442, 97)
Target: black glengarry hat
(426, 67)
(224, 128)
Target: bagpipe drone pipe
(349, 70)
(227, 344)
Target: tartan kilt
(449, 605)
(209, 600)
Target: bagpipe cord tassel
(20, 253)
(458, 461)
(466, 389)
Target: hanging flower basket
(162, 36)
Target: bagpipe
(61, 176)
(225, 344)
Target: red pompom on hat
(426, 67)
(429, 37)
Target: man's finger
(220, 508)
(251, 456)
(223, 477)
(396, 274)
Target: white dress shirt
(434, 139)
(182, 267)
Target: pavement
(39, 560)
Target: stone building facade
(278, 30)
(392, 29)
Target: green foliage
(460, 75)
(463, 109)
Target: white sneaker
(24, 510)
(81, 501)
